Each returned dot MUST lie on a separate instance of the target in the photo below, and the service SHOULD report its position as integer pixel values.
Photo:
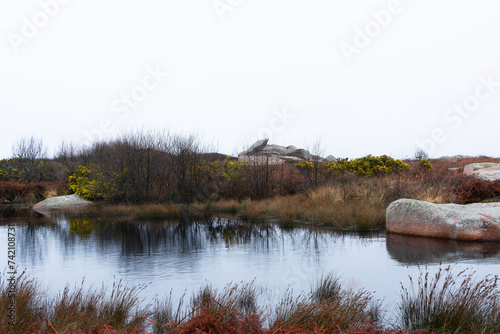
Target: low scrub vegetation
(351, 202)
(159, 167)
(17, 192)
(446, 303)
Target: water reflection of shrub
(81, 226)
(147, 236)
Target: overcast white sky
(235, 65)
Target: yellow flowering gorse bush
(228, 170)
(367, 166)
(424, 164)
(87, 183)
(4, 176)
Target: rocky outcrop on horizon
(472, 222)
(489, 171)
(261, 153)
(455, 157)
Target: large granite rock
(257, 146)
(69, 202)
(489, 171)
(275, 149)
(330, 158)
(479, 222)
(262, 153)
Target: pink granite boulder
(69, 202)
(489, 171)
(474, 222)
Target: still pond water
(183, 256)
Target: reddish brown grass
(241, 324)
(329, 308)
(472, 190)
(16, 192)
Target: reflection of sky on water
(185, 256)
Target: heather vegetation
(445, 303)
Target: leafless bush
(27, 155)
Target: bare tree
(27, 155)
(68, 153)
(316, 150)
(68, 157)
(420, 154)
(184, 155)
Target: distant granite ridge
(261, 153)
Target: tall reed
(29, 303)
(73, 310)
(449, 303)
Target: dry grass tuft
(119, 210)
(328, 305)
(51, 192)
(448, 303)
(233, 298)
(28, 299)
(158, 211)
(225, 206)
(233, 310)
(255, 210)
(146, 211)
(73, 310)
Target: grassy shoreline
(442, 303)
